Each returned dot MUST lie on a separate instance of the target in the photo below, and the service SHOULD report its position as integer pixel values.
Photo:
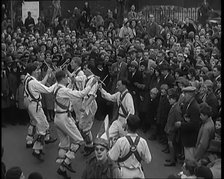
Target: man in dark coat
(167, 78)
(152, 110)
(101, 71)
(162, 115)
(29, 21)
(191, 124)
(211, 99)
(152, 27)
(170, 129)
(203, 12)
(135, 78)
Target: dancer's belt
(62, 112)
(122, 115)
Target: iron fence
(163, 13)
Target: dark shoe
(69, 167)
(63, 173)
(29, 145)
(168, 160)
(171, 164)
(41, 152)
(51, 140)
(38, 156)
(88, 151)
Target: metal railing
(163, 13)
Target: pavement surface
(16, 154)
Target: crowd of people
(172, 72)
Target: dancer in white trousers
(32, 100)
(69, 135)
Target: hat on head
(164, 86)
(191, 70)
(67, 55)
(8, 60)
(204, 172)
(152, 56)
(159, 37)
(152, 63)
(125, 20)
(189, 89)
(144, 63)
(170, 51)
(191, 35)
(121, 53)
(208, 83)
(172, 93)
(204, 69)
(139, 49)
(102, 142)
(134, 63)
(183, 81)
(132, 50)
(13, 173)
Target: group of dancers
(73, 93)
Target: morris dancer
(125, 107)
(65, 125)
(78, 78)
(32, 93)
(88, 111)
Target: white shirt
(127, 101)
(36, 88)
(122, 147)
(79, 80)
(66, 95)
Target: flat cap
(134, 63)
(189, 89)
(208, 83)
(102, 142)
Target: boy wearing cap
(173, 116)
(206, 132)
(100, 165)
(130, 150)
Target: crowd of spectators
(158, 60)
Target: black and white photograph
(111, 89)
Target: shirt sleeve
(110, 97)
(38, 86)
(146, 155)
(73, 94)
(114, 152)
(129, 104)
